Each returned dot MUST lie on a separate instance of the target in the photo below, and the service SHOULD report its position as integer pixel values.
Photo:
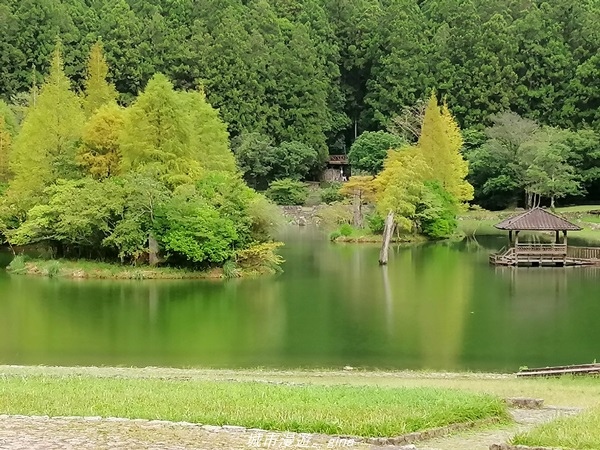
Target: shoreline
(94, 270)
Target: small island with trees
(154, 182)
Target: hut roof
(537, 219)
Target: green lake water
(436, 306)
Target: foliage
(159, 171)
(17, 265)
(370, 149)
(5, 149)
(436, 212)
(100, 151)
(346, 230)
(521, 160)
(156, 135)
(192, 229)
(441, 143)
(331, 193)
(400, 185)
(287, 192)
(98, 91)
(376, 223)
(53, 128)
(261, 162)
(260, 257)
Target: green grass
(95, 269)
(347, 410)
(481, 222)
(581, 432)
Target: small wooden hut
(557, 253)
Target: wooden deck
(549, 255)
(557, 371)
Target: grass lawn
(581, 432)
(481, 222)
(310, 408)
(96, 269)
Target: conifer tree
(98, 91)
(441, 142)
(100, 149)
(399, 186)
(45, 148)
(156, 135)
(5, 144)
(209, 138)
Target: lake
(436, 306)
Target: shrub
(53, 269)
(376, 223)
(436, 212)
(287, 192)
(230, 270)
(334, 235)
(260, 257)
(17, 265)
(331, 193)
(346, 230)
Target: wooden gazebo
(557, 253)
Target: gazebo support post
(557, 239)
(510, 238)
(564, 237)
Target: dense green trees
(307, 74)
(370, 149)
(323, 72)
(155, 179)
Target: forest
(321, 72)
(268, 89)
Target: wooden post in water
(388, 230)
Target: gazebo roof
(537, 219)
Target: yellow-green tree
(45, 148)
(400, 185)
(441, 142)
(98, 91)
(362, 189)
(157, 133)
(209, 139)
(5, 145)
(100, 152)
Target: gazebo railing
(592, 253)
(541, 249)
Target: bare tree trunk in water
(152, 250)
(388, 230)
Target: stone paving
(95, 433)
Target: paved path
(43, 433)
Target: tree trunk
(358, 220)
(153, 259)
(552, 202)
(388, 230)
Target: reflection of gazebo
(534, 254)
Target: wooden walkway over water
(550, 255)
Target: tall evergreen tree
(441, 142)
(45, 148)
(156, 135)
(98, 91)
(100, 150)
(5, 146)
